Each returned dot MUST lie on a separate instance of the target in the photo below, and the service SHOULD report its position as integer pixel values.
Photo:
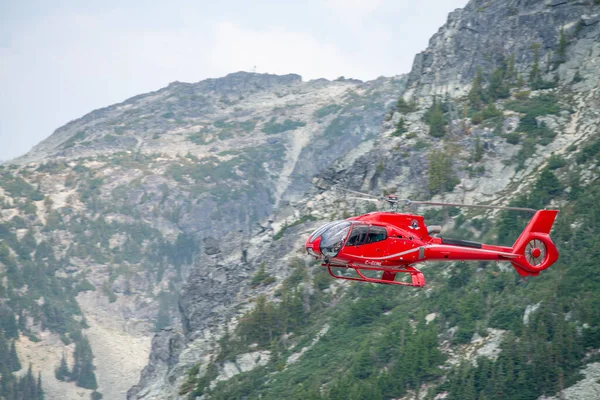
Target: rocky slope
(184, 206)
(474, 35)
(562, 38)
(133, 197)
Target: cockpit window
(333, 238)
(322, 229)
(376, 234)
(358, 235)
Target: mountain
(104, 221)
(169, 229)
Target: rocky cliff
(474, 37)
(544, 55)
(184, 211)
(130, 201)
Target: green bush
(527, 124)
(400, 128)
(434, 117)
(477, 118)
(272, 127)
(535, 106)
(588, 152)
(327, 110)
(491, 111)
(441, 174)
(285, 227)
(522, 94)
(261, 277)
(555, 162)
(404, 107)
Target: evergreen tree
(478, 153)
(404, 107)
(83, 367)
(362, 368)
(441, 175)
(435, 119)
(535, 75)
(39, 391)
(476, 95)
(498, 88)
(62, 371)
(400, 127)
(96, 396)
(13, 358)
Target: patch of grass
(525, 152)
(556, 162)
(327, 110)
(302, 220)
(420, 145)
(523, 94)
(535, 106)
(199, 138)
(261, 277)
(588, 151)
(74, 139)
(273, 128)
(400, 128)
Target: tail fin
(534, 248)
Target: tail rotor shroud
(535, 252)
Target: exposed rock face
(475, 35)
(180, 185)
(399, 164)
(243, 363)
(166, 346)
(587, 388)
(224, 165)
(208, 293)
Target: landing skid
(388, 277)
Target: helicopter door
(375, 245)
(367, 241)
(357, 238)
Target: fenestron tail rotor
(535, 252)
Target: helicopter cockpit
(333, 237)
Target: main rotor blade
(364, 199)
(355, 192)
(431, 203)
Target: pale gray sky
(60, 59)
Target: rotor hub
(535, 252)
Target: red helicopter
(391, 243)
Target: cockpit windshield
(322, 229)
(333, 238)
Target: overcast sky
(60, 59)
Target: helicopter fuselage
(394, 242)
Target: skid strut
(388, 277)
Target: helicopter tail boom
(534, 249)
